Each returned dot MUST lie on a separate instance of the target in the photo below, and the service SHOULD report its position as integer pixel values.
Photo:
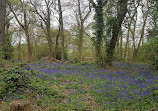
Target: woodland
(78, 55)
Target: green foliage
(153, 32)
(8, 49)
(111, 24)
(99, 26)
(42, 91)
(58, 56)
(1, 56)
(99, 29)
(14, 79)
(74, 60)
(149, 52)
(40, 51)
(85, 63)
(36, 86)
(1, 59)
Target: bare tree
(81, 21)
(25, 25)
(130, 20)
(145, 16)
(45, 16)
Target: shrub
(149, 52)
(15, 78)
(74, 60)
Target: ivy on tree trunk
(99, 28)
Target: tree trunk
(111, 48)
(80, 41)
(127, 42)
(56, 44)
(29, 47)
(145, 16)
(19, 49)
(81, 28)
(121, 12)
(25, 27)
(141, 38)
(61, 32)
(121, 46)
(133, 34)
(49, 39)
(45, 16)
(128, 32)
(117, 47)
(50, 43)
(26, 30)
(2, 26)
(99, 31)
(8, 49)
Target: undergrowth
(56, 86)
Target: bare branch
(11, 9)
(87, 13)
(36, 11)
(90, 37)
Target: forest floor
(84, 87)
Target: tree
(45, 16)
(153, 31)
(131, 21)
(61, 32)
(24, 25)
(8, 48)
(116, 27)
(99, 27)
(2, 26)
(145, 16)
(56, 42)
(82, 18)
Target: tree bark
(25, 27)
(133, 34)
(145, 16)
(141, 38)
(81, 28)
(8, 49)
(61, 32)
(127, 41)
(46, 16)
(129, 28)
(2, 21)
(49, 39)
(19, 49)
(81, 41)
(2, 26)
(121, 54)
(28, 45)
(56, 44)
(121, 12)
